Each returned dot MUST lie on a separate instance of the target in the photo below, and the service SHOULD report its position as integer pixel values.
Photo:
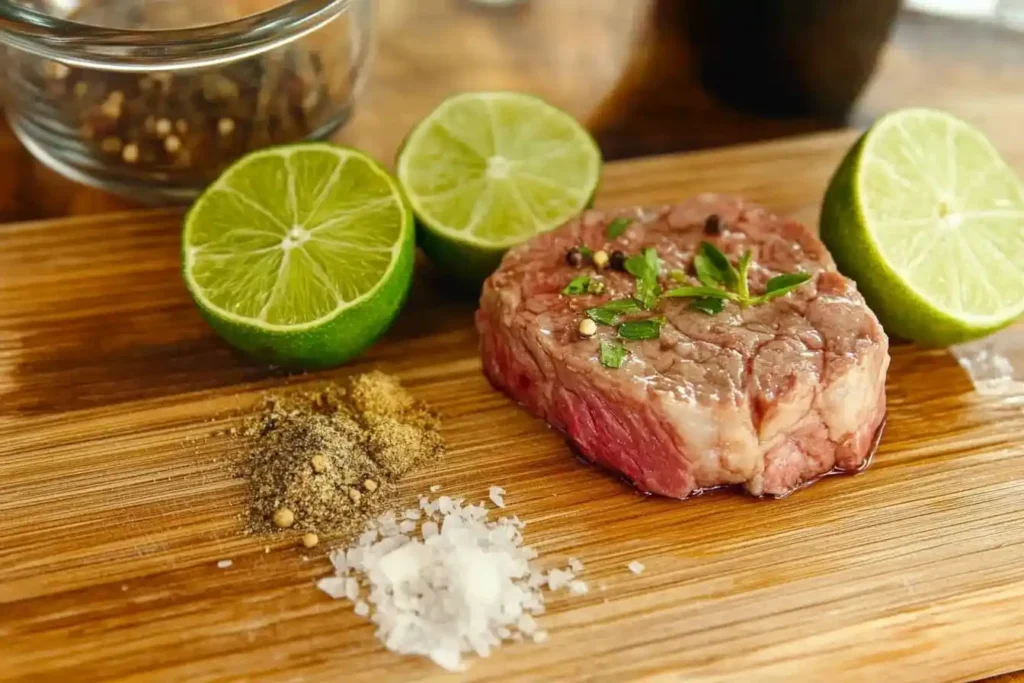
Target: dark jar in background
(712, 72)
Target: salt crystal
(337, 558)
(413, 513)
(333, 586)
(224, 564)
(462, 588)
(558, 578)
(497, 496)
(575, 565)
(578, 587)
(537, 579)
(368, 537)
(636, 567)
(435, 488)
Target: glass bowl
(151, 99)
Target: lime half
(301, 255)
(929, 220)
(486, 171)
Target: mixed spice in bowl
(154, 98)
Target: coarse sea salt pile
(445, 581)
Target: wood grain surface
(116, 503)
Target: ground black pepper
(331, 458)
(617, 261)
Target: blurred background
(656, 76)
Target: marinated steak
(770, 397)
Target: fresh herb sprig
(583, 284)
(645, 267)
(722, 281)
(612, 354)
(612, 312)
(618, 226)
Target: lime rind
(224, 184)
(886, 220)
(454, 163)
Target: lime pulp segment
(289, 236)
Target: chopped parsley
(612, 354)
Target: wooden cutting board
(113, 515)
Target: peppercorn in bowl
(152, 99)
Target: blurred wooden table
(574, 52)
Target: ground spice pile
(329, 460)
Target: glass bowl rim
(89, 46)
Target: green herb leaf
(744, 285)
(618, 226)
(709, 292)
(786, 282)
(578, 285)
(641, 329)
(613, 311)
(708, 305)
(595, 286)
(715, 266)
(587, 252)
(780, 285)
(612, 354)
(707, 273)
(646, 267)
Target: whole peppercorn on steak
(769, 396)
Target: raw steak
(770, 397)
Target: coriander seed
(310, 540)
(319, 463)
(111, 107)
(587, 328)
(172, 143)
(181, 125)
(355, 496)
(130, 153)
(226, 127)
(163, 127)
(111, 145)
(600, 258)
(370, 485)
(283, 518)
(56, 70)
